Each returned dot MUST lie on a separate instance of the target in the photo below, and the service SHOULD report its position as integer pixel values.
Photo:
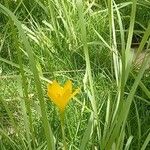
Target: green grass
(90, 43)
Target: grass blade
(147, 140)
(87, 133)
(127, 146)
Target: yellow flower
(61, 95)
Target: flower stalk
(62, 121)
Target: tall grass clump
(103, 47)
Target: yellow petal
(55, 91)
(55, 87)
(67, 91)
(68, 86)
(67, 96)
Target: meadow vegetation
(102, 46)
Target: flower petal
(67, 96)
(68, 86)
(67, 91)
(55, 91)
(55, 87)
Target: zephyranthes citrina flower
(61, 95)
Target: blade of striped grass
(147, 140)
(24, 112)
(145, 38)
(86, 53)
(113, 41)
(103, 40)
(138, 123)
(88, 72)
(120, 142)
(87, 133)
(88, 66)
(47, 128)
(68, 20)
(127, 146)
(128, 58)
(118, 68)
(54, 21)
(122, 65)
(107, 119)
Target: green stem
(62, 120)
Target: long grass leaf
(127, 146)
(128, 58)
(147, 140)
(86, 52)
(87, 133)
